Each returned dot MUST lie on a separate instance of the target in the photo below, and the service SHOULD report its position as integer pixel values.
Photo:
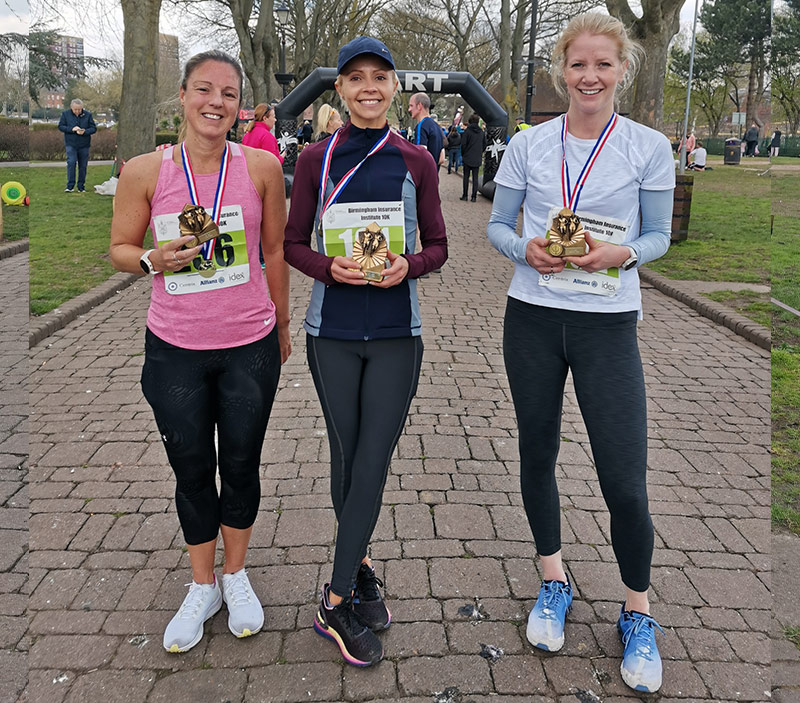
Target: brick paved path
(13, 490)
(785, 666)
(108, 571)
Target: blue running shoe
(546, 621)
(641, 663)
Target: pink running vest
(211, 318)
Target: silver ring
(552, 270)
(175, 256)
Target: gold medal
(370, 251)
(206, 269)
(566, 236)
(195, 221)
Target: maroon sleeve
(432, 233)
(299, 228)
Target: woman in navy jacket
(364, 344)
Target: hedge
(13, 140)
(48, 145)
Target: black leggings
(365, 388)
(540, 344)
(192, 392)
(474, 171)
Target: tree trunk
(654, 31)
(137, 113)
(755, 85)
(255, 44)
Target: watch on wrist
(145, 263)
(630, 262)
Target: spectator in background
(328, 121)
(698, 155)
(775, 144)
(258, 133)
(78, 127)
(453, 148)
(521, 125)
(690, 144)
(427, 133)
(751, 139)
(307, 131)
(473, 144)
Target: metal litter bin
(733, 152)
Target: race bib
(342, 222)
(605, 282)
(230, 254)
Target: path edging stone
(43, 326)
(8, 249)
(716, 312)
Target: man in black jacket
(473, 144)
(78, 126)
(751, 139)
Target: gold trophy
(566, 236)
(369, 250)
(194, 220)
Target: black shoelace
(367, 585)
(348, 617)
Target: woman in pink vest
(216, 337)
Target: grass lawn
(15, 217)
(751, 304)
(786, 193)
(785, 276)
(786, 438)
(728, 230)
(69, 234)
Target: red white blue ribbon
(569, 195)
(326, 168)
(207, 250)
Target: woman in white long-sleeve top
(597, 195)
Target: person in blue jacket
(78, 127)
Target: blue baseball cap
(363, 45)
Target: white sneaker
(245, 614)
(185, 629)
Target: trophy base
(373, 275)
(562, 251)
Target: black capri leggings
(365, 388)
(540, 344)
(192, 392)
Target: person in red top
(259, 132)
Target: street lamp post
(283, 78)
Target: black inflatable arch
(463, 83)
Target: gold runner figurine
(194, 220)
(370, 250)
(567, 236)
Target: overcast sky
(101, 26)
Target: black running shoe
(357, 643)
(368, 602)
